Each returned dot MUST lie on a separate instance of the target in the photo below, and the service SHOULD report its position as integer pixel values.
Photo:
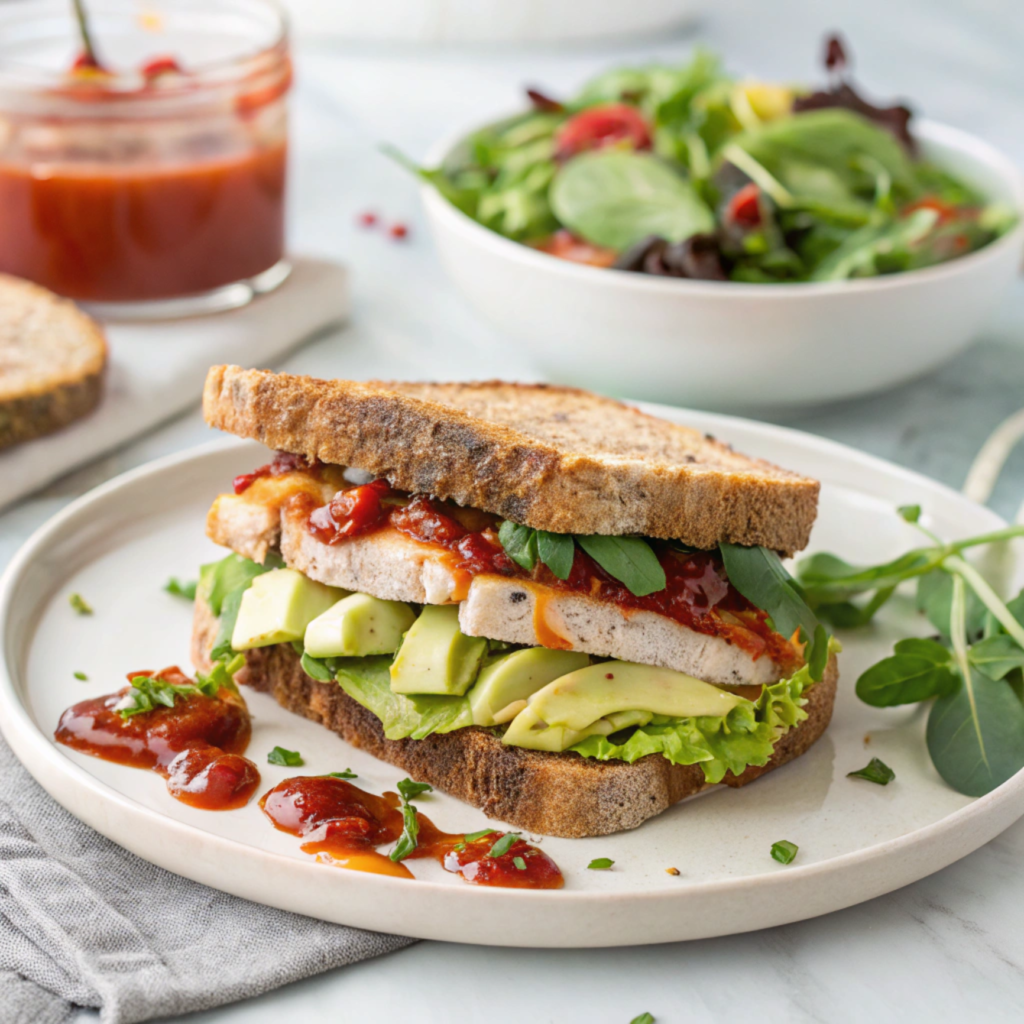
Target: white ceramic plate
(119, 544)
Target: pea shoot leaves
(973, 671)
(759, 575)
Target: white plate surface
(120, 543)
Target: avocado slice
(436, 656)
(530, 731)
(278, 606)
(516, 676)
(582, 697)
(358, 626)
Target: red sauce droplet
(367, 219)
(343, 825)
(160, 66)
(399, 231)
(196, 745)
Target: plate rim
(29, 741)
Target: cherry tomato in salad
(605, 125)
(947, 211)
(745, 207)
(566, 246)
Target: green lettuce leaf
(368, 682)
(744, 737)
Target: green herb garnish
(519, 863)
(150, 692)
(600, 864)
(644, 1018)
(179, 588)
(472, 837)
(79, 604)
(874, 771)
(285, 758)
(631, 560)
(974, 671)
(407, 841)
(504, 844)
(346, 774)
(81, 675)
(784, 851)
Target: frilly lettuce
(744, 737)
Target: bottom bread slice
(551, 794)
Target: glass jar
(151, 182)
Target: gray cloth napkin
(85, 923)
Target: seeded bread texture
(551, 794)
(554, 458)
(52, 360)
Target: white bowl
(722, 345)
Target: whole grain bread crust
(551, 794)
(554, 458)
(52, 362)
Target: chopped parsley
(80, 675)
(644, 1018)
(519, 863)
(286, 758)
(181, 588)
(408, 840)
(874, 771)
(472, 837)
(784, 851)
(600, 864)
(150, 692)
(346, 774)
(504, 844)
(79, 604)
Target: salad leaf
(631, 560)
(875, 771)
(520, 544)
(877, 248)
(615, 198)
(997, 656)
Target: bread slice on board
(553, 458)
(552, 794)
(52, 358)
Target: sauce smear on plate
(196, 744)
(343, 825)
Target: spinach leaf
(935, 599)
(232, 573)
(225, 628)
(520, 543)
(996, 656)
(919, 669)
(877, 248)
(631, 560)
(975, 735)
(759, 575)
(556, 551)
(615, 198)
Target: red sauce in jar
(135, 232)
(343, 825)
(196, 745)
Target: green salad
(690, 172)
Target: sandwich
(551, 605)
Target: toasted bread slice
(552, 794)
(390, 565)
(52, 359)
(553, 458)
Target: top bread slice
(552, 458)
(52, 360)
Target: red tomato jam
(283, 462)
(137, 232)
(343, 825)
(196, 745)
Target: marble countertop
(949, 946)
